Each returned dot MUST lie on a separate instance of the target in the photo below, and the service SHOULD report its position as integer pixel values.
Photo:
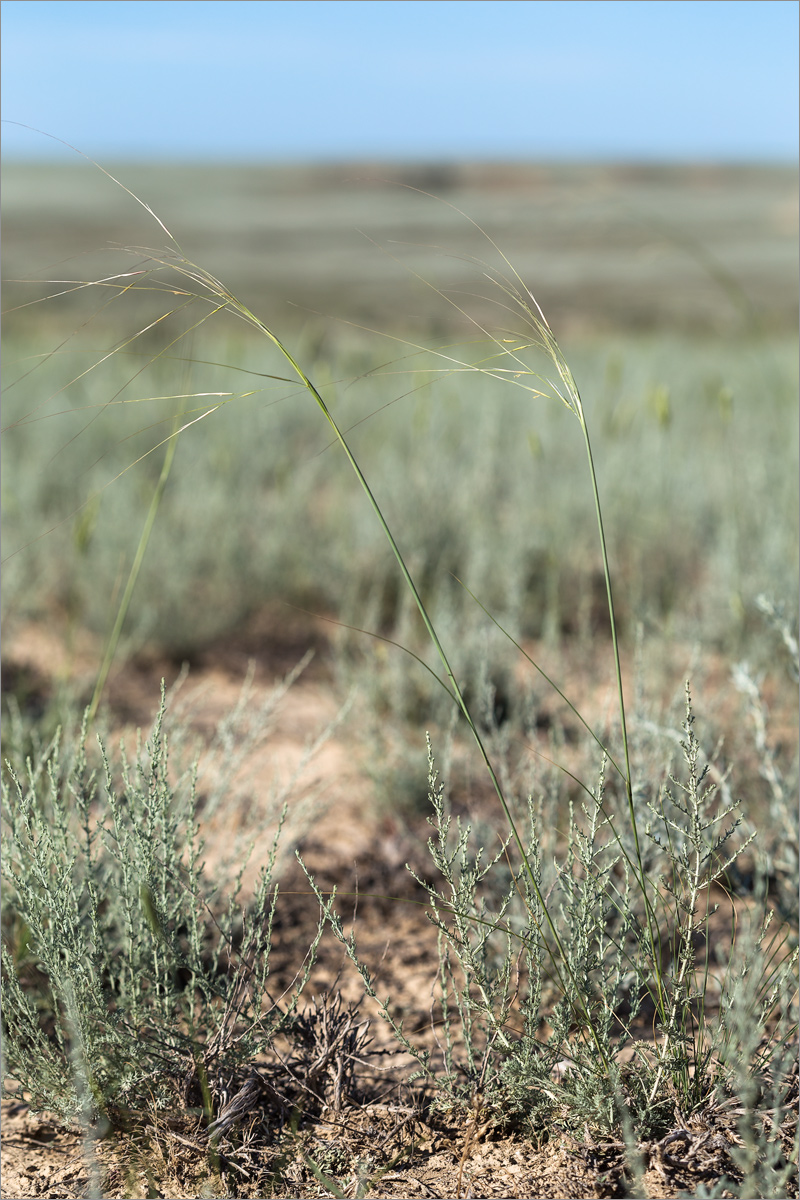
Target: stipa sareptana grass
(210, 290)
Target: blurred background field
(699, 248)
(672, 290)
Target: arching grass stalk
(212, 291)
(200, 285)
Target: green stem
(623, 722)
(444, 660)
(122, 611)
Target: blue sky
(431, 79)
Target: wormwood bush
(637, 1021)
(124, 985)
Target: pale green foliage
(127, 981)
(726, 1030)
(481, 485)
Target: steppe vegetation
(592, 954)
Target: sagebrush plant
(614, 930)
(130, 984)
(530, 1040)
